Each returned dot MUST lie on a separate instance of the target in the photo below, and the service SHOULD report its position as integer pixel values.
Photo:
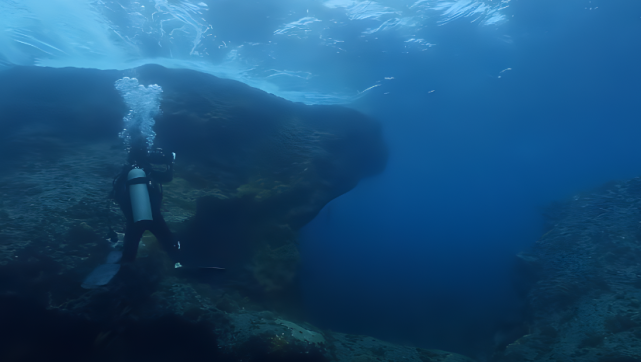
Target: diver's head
(137, 155)
(158, 156)
(155, 159)
(160, 160)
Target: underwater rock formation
(251, 170)
(584, 276)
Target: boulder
(251, 168)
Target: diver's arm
(162, 176)
(167, 175)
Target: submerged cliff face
(251, 168)
(584, 275)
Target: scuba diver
(138, 192)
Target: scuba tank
(139, 195)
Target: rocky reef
(582, 281)
(251, 170)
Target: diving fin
(100, 276)
(103, 274)
(114, 257)
(178, 265)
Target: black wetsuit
(135, 230)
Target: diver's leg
(133, 234)
(164, 235)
